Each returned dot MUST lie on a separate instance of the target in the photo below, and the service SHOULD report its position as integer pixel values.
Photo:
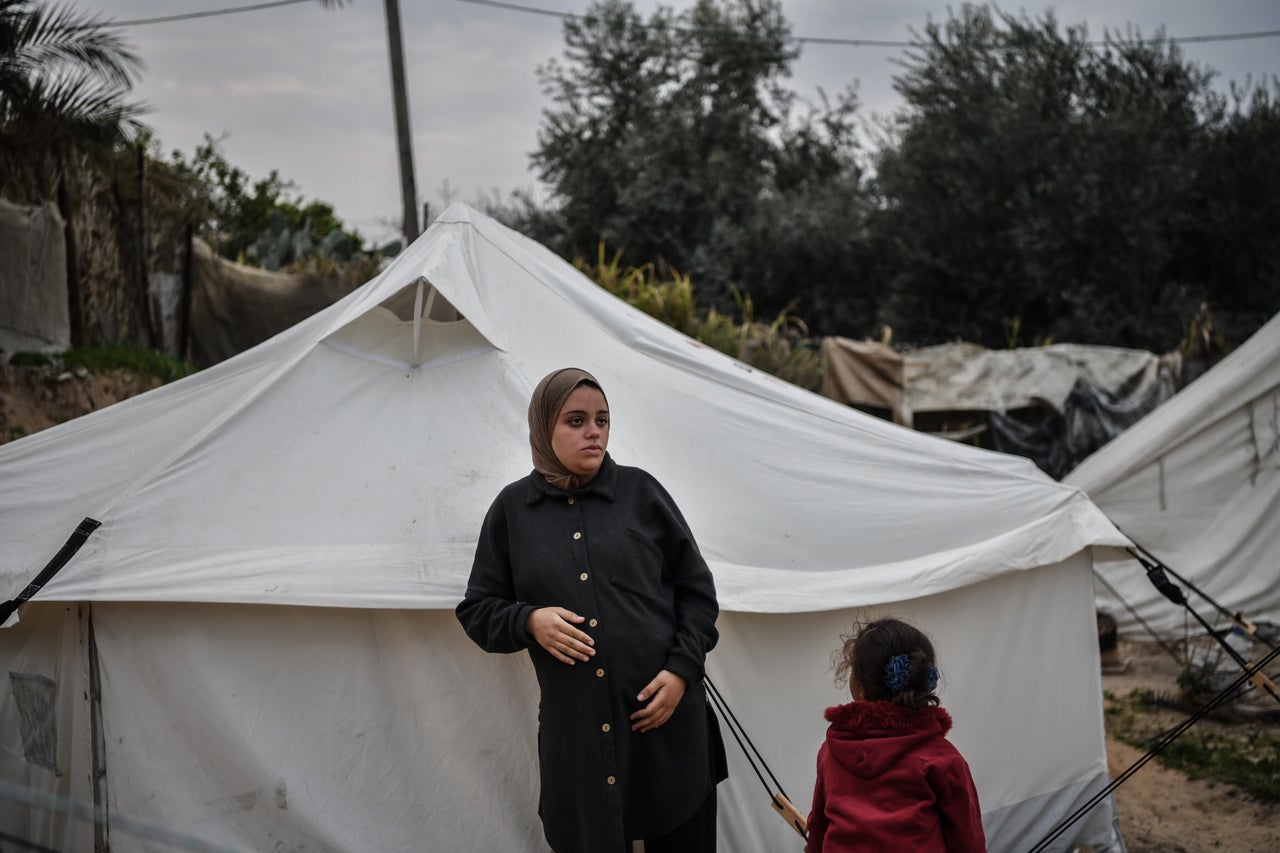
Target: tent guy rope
(777, 798)
(1168, 738)
(1157, 573)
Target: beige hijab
(544, 407)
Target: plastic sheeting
(285, 534)
(235, 307)
(33, 281)
(968, 377)
(1089, 418)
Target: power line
(234, 10)
(574, 16)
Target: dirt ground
(34, 398)
(1162, 810)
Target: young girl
(888, 779)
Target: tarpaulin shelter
(257, 648)
(33, 280)
(1197, 483)
(1053, 404)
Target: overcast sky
(306, 91)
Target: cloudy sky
(306, 91)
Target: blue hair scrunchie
(899, 669)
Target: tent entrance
(416, 327)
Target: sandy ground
(1163, 811)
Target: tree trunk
(75, 308)
(188, 276)
(148, 308)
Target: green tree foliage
(64, 120)
(781, 348)
(1228, 251)
(1045, 188)
(254, 221)
(674, 139)
(1036, 186)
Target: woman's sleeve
(489, 612)
(958, 802)
(696, 608)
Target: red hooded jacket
(888, 779)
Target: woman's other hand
(663, 695)
(553, 629)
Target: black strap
(1158, 573)
(60, 559)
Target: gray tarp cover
(33, 281)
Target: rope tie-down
(777, 797)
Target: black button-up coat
(619, 553)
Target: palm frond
(65, 36)
(64, 73)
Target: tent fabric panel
(56, 477)
(1231, 553)
(434, 577)
(46, 649)
(1029, 822)
(333, 729)
(1043, 542)
(423, 577)
(1208, 508)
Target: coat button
(593, 623)
(577, 535)
(611, 780)
(606, 728)
(600, 672)
(582, 576)
(570, 501)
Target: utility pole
(399, 94)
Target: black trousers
(695, 835)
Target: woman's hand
(663, 694)
(553, 628)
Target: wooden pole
(75, 307)
(188, 275)
(400, 97)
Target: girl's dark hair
(866, 654)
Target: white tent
(1197, 483)
(256, 650)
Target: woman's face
(581, 433)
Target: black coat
(619, 553)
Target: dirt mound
(35, 398)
